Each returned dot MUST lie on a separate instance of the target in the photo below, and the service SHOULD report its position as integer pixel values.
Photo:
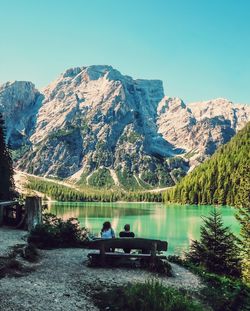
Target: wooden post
(18, 213)
(102, 253)
(153, 252)
(33, 207)
(1, 215)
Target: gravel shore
(62, 280)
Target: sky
(200, 49)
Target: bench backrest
(132, 243)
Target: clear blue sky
(199, 48)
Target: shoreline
(139, 202)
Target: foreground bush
(221, 293)
(148, 296)
(225, 294)
(243, 216)
(54, 232)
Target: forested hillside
(219, 179)
(64, 193)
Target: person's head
(106, 226)
(127, 227)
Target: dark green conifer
(217, 250)
(6, 170)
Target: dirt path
(63, 281)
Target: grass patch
(148, 296)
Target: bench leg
(153, 254)
(102, 253)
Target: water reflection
(176, 224)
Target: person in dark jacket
(126, 234)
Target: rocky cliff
(101, 128)
(200, 128)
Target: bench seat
(148, 249)
(124, 255)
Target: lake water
(177, 224)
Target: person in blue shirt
(107, 232)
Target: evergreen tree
(6, 169)
(243, 215)
(217, 250)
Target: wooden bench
(148, 249)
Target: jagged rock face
(200, 128)
(93, 123)
(93, 118)
(19, 103)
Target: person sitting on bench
(126, 234)
(107, 232)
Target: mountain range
(100, 128)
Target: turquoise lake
(177, 224)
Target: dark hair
(106, 226)
(127, 227)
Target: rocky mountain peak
(170, 104)
(19, 102)
(105, 128)
(14, 94)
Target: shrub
(54, 232)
